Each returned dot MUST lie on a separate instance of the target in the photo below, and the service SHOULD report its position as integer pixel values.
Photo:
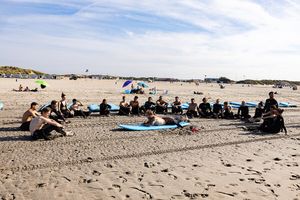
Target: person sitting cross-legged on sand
(243, 112)
(135, 106)
(28, 116)
(205, 109)
(149, 105)
(55, 114)
(259, 110)
(104, 108)
(217, 109)
(227, 114)
(124, 107)
(63, 107)
(176, 106)
(41, 126)
(161, 106)
(154, 120)
(193, 109)
(76, 108)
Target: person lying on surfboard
(154, 120)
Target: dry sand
(221, 161)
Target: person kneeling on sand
(28, 116)
(41, 126)
(154, 120)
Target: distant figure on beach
(28, 116)
(193, 109)
(205, 109)
(161, 106)
(20, 88)
(63, 107)
(271, 101)
(176, 106)
(41, 126)
(217, 109)
(154, 120)
(124, 107)
(243, 111)
(104, 108)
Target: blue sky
(257, 39)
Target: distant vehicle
(73, 77)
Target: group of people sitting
(54, 115)
(51, 117)
(26, 89)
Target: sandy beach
(221, 161)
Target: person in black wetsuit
(270, 102)
(243, 111)
(104, 108)
(205, 109)
(217, 109)
(227, 114)
(55, 114)
(149, 105)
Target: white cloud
(242, 38)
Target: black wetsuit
(269, 103)
(205, 110)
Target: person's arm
(109, 106)
(239, 111)
(51, 122)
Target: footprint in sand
(96, 173)
(117, 187)
(173, 176)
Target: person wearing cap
(135, 106)
(205, 109)
(271, 101)
(193, 109)
(176, 106)
(161, 106)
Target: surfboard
(287, 104)
(251, 104)
(96, 108)
(1, 105)
(44, 106)
(140, 127)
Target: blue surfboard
(141, 127)
(251, 104)
(287, 104)
(96, 108)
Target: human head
(243, 103)
(176, 98)
(271, 94)
(204, 100)
(149, 98)
(260, 104)
(53, 104)
(160, 98)
(74, 100)
(63, 96)
(218, 101)
(136, 98)
(123, 98)
(104, 101)
(225, 103)
(192, 100)
(33, 105)
(149, 113)
(46, 112)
